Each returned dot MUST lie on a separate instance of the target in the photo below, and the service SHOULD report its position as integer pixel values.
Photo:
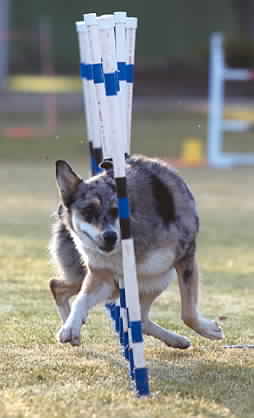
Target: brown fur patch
(94, 279)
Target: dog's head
(89, 208)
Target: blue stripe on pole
(141, 380)
(97, 168)
(117, 81)
(82, 70)
(98, 73)
(110, 84)
(121, 70)
(121, 333)
(126, 344)
(86, 71)
(122, 298)
(111, 308)
(97, 153)
(126, 353)
(129, 73)
(89, 71)
(131, 364)
(123, 205)
(117, 318)
(136, 331)
(94, 166)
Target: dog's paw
(176, 341)
(210, 329)
(182, 343)
(69, 334)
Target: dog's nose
(110, 237)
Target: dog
(86, 246)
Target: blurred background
(40, 91)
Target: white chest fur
(156, 262)
(153, 271)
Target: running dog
(86, 246)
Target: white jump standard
(108, 47)
(218, 74)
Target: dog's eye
(89, 213)
(113, 212)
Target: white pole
(95, 129)
(98, 78)
(85, 85)
(92, 72)
(121, 56)
(240, 74)
(117, 135)
(129, 266)
(216, 100)
(91, 22)
(131, 26)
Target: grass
(40, 378)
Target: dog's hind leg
(150, 328)
(188, 278)
(62, 291)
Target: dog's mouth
(107, 248)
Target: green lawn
(39, 377)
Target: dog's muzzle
(109, 240)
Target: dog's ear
(67, 181)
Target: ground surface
(40, 378)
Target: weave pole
(90, 26)
(117, 310)
(106, 39)
(120, 19)
(131, 28)
(93, 120)
(94, 106)
(107, 26)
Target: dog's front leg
(62, 291)
(188, 278)
(97, 287)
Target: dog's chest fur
(155, 262)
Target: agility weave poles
(114, 144)
(125, 72)
(95, 97)
(218, 74)
(94, 101)
(95, 107)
